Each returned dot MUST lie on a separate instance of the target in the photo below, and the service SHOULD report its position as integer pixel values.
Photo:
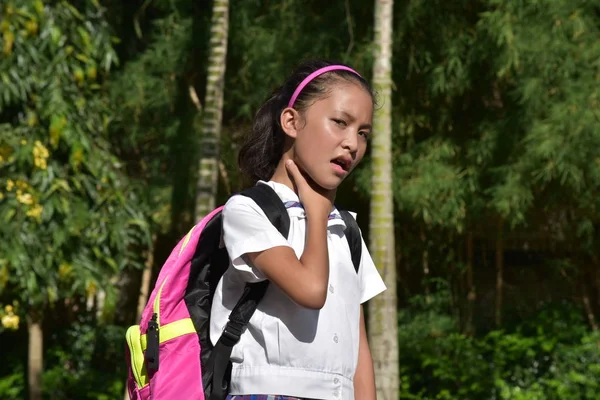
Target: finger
(294, 171)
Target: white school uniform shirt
(288, 349)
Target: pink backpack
(169, 354)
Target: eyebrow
(351, 118)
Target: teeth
(341, 163)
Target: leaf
(83, 58)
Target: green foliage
(495, 108)
(70, 221)
(12, 386)
(84, 356)
(83, 361)
(549, 356)
(153, 129)
(495, 112)
(265, 60)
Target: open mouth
(344, 163)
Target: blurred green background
(496, 178)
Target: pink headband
(312, 76)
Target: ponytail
(260, 155)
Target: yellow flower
(23, 142)
(10, 321)
(40, 154)
(40, 163)
(35, 211)
(25, 198)
(39, 150)
(9, 184)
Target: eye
(365, 134)
(340, 122)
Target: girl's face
(332, 137)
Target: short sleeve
(371, 283)
(246, 229)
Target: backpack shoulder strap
(217, 385)
(352, 233)
(271, 204)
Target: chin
(323, 180)
(329, 183)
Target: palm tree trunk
(206, 188)
(425, 264)
(472, 294)
(383, 320)
(36, 358)
(588, 307)
(499, 274)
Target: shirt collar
(295, 208)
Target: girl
(307, 338)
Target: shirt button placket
(336, 388)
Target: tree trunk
(145, 285)
(36, 358)
(383, 319)
(589, 312)
(425, 266)
(206, 188)
(457, 290)
(472, 295)
(144, 288)
(499, 273)
(588, 281)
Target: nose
(350, 142)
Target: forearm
(315, 257)
(304, 280)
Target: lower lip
(338, 169)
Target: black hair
(264, 145)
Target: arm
(364, 377)
(304, 280)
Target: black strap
(275, 210)
(352, 233)
(271, 204)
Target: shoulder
(242, 215)
(240, 204)
(244, 203)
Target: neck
(281, 175)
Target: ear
(290, 122)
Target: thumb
(297, 178)
(293, 170)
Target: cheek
(313, 141)
(304, 152)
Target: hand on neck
(281, 174)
